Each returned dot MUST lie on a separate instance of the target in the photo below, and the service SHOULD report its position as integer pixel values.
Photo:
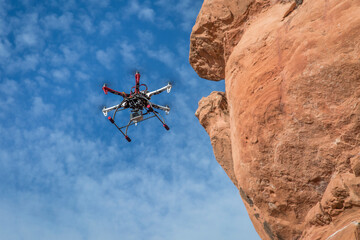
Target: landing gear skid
(113, 122)
(156, 114)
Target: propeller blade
(101, 107)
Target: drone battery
(136, 116)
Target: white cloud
(131, 202)
(127, 51)
(68, 5)
(52, 57)
(147, 14)
(143, 12)
(81, 76)
(87, 24)
(98, 3)
(165, 23)
(40, 108)
(163, 55)
(112, 190)
(105, 27)
(62, 91)
(186, 11)
(27, 31)
(67, 54)
(27, 39)
(109, 24)
(145, 37)
(9, 87)
(41, 81)
(30, 62)
(61, 75)
(8, 90)
(62, 22)
(105, 57)
(4, 27)
(24, 64)
(5, 48)
(3, 7)
(71, 56)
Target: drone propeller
(100, 82)
(131, 72)
(172, 81)
(166, 104)
(106, 84)
(101, 107)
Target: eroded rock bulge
(218, 22)
(293, 95)
(213, 114)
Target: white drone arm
(106, 110)
(167, 87)
(164, 108)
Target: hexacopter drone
(139, 103)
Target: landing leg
(127, 138)
(125, 134)
(127, 127)
(165, 126)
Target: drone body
(138, 101)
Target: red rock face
(292, 124)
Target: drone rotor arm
(107, 89)
(164, 108)
(117, 107)
(160, 90)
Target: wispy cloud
(39, 107)
(147, 14)
(86, 23)
(188, 12)
(3, 7)
(71, 56)
(163, 55)
(105, 57)
(27, 31)
(143, 12)
(26, 39)
(8, 89)
(62, 22)
(105, 27)
(24, 64)
(61, 75)
(127, 51)
(146, 38)
(185, 10)
(132, 202)
(5, 48)
(82, 76)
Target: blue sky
(65, 172)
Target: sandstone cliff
(287, 131)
